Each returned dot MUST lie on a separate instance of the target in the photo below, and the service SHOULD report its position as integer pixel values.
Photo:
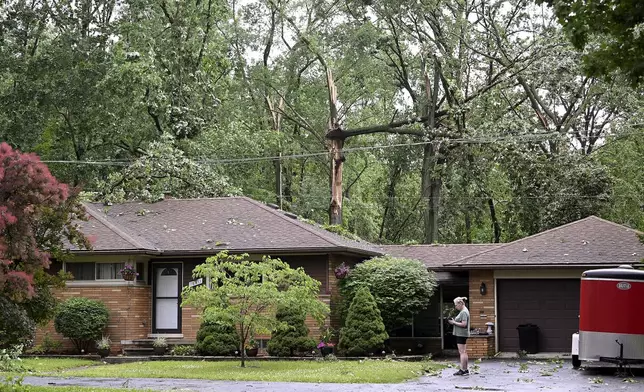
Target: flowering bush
(323, 344)
(342, 271)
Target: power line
(525, 138)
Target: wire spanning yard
(367, 371)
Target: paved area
(497, 375)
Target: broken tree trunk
(337, 156)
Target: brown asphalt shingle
(436, 255)
(204, 225)
(587, 242)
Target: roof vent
(273, 206)
(626, 266)
(291, 215)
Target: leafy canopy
(249, 292)
(401, 287)
(612, 31)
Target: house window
(109, 270)
(101, 271)
(81, 271)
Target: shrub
(291, 336)
(364, 332)
(401, 287)
(10, 360)
(82, 320)
(184, 350)
(15, 325)
(217, 338)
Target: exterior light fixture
(483, 288)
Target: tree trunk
(337, 157)
(278, 182)
(468, 227)
(495, 223)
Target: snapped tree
(249, 292)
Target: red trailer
(611, 317)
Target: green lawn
(368, 371)
(78, 389)
(45, 365)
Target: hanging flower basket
(342, 271)
(129, 273)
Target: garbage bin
(528, 338)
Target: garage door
(552, 304)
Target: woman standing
(461, 331)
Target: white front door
(167, 292)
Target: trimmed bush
(364, 332)
(217, 338)
(401, 287)
(83, 321)
(292, 336)
(16, 327)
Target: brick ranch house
(535, 279)
(167, 239)
(532, 280)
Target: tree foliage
(82, 320)
(611, 31)
(292, 335)
(364, 331)
(16, 327)
(36, 213)
(401, 287)
(249, 292)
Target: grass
(46, 365)
(368, 371)
(78, 389)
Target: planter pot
(103, 352)
(159, 350)
(326, 351)
(252, 352)
(129, 277)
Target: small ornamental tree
(248, 293)
(364, 332)
(217, 337)
(292, 335)
(401, 287)
(82, 320)
(36, 213)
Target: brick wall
(130, 309)
(480, 347)
(190, 322)
(482, 311)
(481, 306)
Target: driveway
(492, 376)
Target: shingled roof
(435, 256)
(587, 242)
(189, 226)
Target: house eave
(534, 266)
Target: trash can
(528, 338)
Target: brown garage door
(552, 304)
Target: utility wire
(525, 138)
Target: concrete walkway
(524, 376)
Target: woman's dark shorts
(461, 340)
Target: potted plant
(326, 346)
(129, 272)
(103, 346)
(160, 345)
(251, 348)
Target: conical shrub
(364, 332)
(291, 337)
